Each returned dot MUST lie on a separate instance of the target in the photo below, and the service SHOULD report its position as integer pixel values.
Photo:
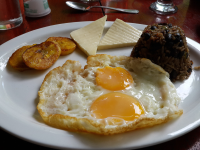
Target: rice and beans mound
(166, 46)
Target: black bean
(153, 27)
(169, 25)
(146, 35)
(178, 37)
(168, 37)
(181, 54)
(135, 52)
(173, 74)
(169, 44)
(181, 43)
(189, 70)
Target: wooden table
(187, 17)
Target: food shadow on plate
(104, 31)
(77, 52)
(194, 55)
(125, 139)
(27, 74)
(36, 114)
(124, 51)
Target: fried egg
(111, 94)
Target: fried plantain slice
(67, 45)
(16, 60)
(42, 56)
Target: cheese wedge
(88, 37)
(120, 34)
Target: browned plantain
(42, 56)
(16, 60)
(66, 44)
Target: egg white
(70, 91)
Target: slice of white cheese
(120, 34)
(88, 37)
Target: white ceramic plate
(18, 99)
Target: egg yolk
(113, 78)
(116, 105)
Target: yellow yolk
(113, 78)
(116, 105)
